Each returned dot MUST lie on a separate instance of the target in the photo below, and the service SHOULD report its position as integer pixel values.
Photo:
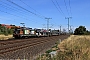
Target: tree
(10, 31)
(5, 31)
(80, 30)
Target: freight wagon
(55, 32)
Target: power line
(66, 7)
(24, 9)
(9, 20)
(12, 6)
(32, 8)
(11, 9)
(14, 15)
(9, 13)
(60, 7)
(70, 7)
(56, 7)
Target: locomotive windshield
(17, 31)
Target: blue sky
(34, 14)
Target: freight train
(23, 32)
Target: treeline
(5, 31)
(81, 30)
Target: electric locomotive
(23, 32)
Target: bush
(81, 30)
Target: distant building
(10, 26)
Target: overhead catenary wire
(10, 8)
(15, 15)
(22, 12)
(60, 8)
(70, 7)
(68, 14)
(6, 7)
(9, 20)
(32, 8)
(66, 7)
(24, 9)
(14, 11)
(57, 8)
(13, 7)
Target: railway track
(13, 46)
(21, 46)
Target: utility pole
(71, 29)
(48, 22)
(60, 30)
(68, 22)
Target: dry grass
(79, 46)
(3, 37)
